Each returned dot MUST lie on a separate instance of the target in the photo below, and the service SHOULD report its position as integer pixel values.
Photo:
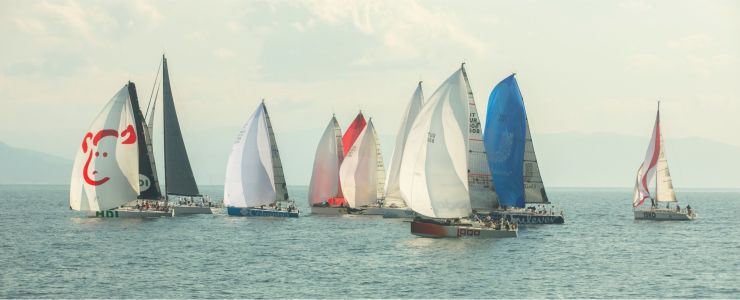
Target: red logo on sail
(128, 135)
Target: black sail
(179, 178)
(148, 181)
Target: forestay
(249, 172)
(393, 190)
(105, 174)
(433, 173)
(358, 174)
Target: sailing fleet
(449, 174)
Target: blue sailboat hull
(256, 212)
(527, 218)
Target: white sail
(393, 190)
(325, 175)
(534, 188)
(664, 186)
(646, 172)
(433, 176)
(249, 173)
(358, 173)
(482, 191)
(105, 174)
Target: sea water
(48, 251)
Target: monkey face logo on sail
(92, 146)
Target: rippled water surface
(49, 251)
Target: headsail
(482, 189)
(646, 172)
(358, 173)
(105, 174)
(353, 131)
(393, 190)
(249, 172)
(505, 141)
(434, 171)
(329, 155)
(179, 179)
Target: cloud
(694, 41)
(223, 53)
(635, 5)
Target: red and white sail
(105, 174)
(654, 172)
(353, 131)
(359, 171)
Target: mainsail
(393, 190)
(250, 177)
(482, 190)
(664, 185)
(148, 181)
(379, 168)
(534, 188)
(434, 167)
(105, 174)
(359, 170)
(281, 187)
(329, 155)
(179, 179)
(353, 131)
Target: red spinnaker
(353, 131)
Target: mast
(178, 174)
(657, 172)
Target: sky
(583, 66)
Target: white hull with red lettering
(660, 214)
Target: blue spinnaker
(504, 139)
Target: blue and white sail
(504, 139)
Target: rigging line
(156, 77)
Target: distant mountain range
(23, 166)
(566, 160)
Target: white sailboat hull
(664, 215)
(328, 210)
(373, 211)
(130, 213)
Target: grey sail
(148, 182)
(178, 175)
(281, 188)
(534, 188)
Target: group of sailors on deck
(496, 224)
(277, 206)
(150, 205)
(190, 201)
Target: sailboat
(181, 191)
(361, 172)
(255, 184)
(444, 174)
(113, 168)
(325, 192)
(511, 156)
(394, 205)
(356, 129)
(655, 168)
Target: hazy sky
(583, 66)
